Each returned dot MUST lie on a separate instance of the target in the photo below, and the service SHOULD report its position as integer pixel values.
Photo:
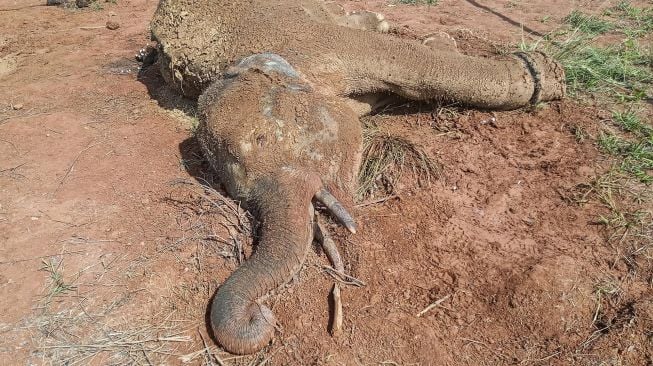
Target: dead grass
(84, 326)
(61, 340)
(386, 158)
(208, 218)
(102, 312)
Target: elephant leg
(361, 63)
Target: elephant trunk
(240, 323)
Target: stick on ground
(432, 306)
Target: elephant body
(281, 84)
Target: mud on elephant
(281, 85)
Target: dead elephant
(281, 85)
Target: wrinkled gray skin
(282, 84)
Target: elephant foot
(366, 20)
(440, 41)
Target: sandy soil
(110, 251)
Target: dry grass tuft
(628, 219)
(210, 218)
(60, 339)
(386, 158)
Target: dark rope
(531, 65)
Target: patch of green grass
(579, 133)
(619, 76)
(638, 22)
(57, 286)
(630, 121)
(588, 23)
(623, 70)
(629, 225)
(386, 158)
(636, 156)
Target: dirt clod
(56, 2)
(112, 25)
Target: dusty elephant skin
(275, 143)
(280, 86)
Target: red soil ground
(107, 257)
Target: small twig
(41, 257)
(72, 165)
(208, 350)
(435, 304)
(598, 308)
(187, 358)
(500, 355)
(343, 277)
(93, 27)
(380, 200)
(145, 355)
(547, 357)
(12, 169)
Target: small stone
(112, 25)
(82, 3)
(17, 107)
(56, 2)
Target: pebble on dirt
(112, 25)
